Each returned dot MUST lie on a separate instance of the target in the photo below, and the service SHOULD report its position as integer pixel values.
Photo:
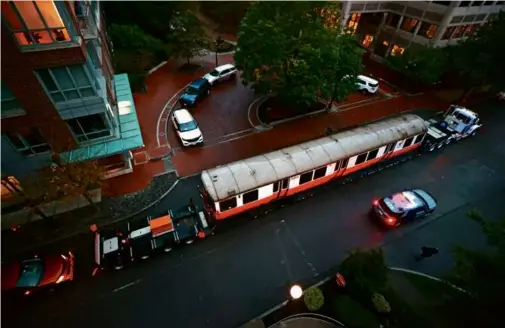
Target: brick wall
(18, 75)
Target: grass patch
(429, 288)
(353, 314)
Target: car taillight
(60, 279)
(376, 202)
(27, 292)
(63, 257)
(390, 220)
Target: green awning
(130, 136)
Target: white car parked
(186, 128)
(367, 84)
(221, 73)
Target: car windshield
(31, 273)
(214, 73)
(191, 91)
(188, 126)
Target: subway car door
(283, 186)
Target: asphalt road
(237, 274)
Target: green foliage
(313, 298)
(153, 17)
(380, 303)
(227, 14)
(481, 273)
(366, 272)
(479, 59)
(286, 48)
(133, 38)
(186, 37)
(353, 314)
(422, 64)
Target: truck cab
(457, 123)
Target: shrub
(313, 298)
(365, 272)
(380, 303)
(353, 314)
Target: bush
(380, 303)
(313, 298)
(366, 272)
(353, 314)
(223, 46)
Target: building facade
(390, 27)
(59, 91)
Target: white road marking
(127, 285)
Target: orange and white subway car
(244, 185)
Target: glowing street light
(296, 292)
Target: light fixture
(296, 292)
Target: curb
(223, 53)
(427, 276)
(157, 67)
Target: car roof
(198, 82)
(183, 116)
(367, 79)
(403, 201)
(223, 67)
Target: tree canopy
(481, 273)
(479, 58)
(424, 64)
(288, 48)
(186, 36)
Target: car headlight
(60, 279)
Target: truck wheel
(448, 141)
(474, 132)
(189, 241)
(440, 145)
(167, 249)
(432, 148)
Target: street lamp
(296, 292)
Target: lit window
(352, 24)
(397, 50)
(10, 105)
(448, 32)
(367, 40)
(10, 188)
(67, 83)
(34, 22)
(89, 127)
(459, 31)
(409, 24)
(427, 30)
(28, 143)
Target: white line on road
(127, 285)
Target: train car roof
(240, 176)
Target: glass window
(459, 31)
(397, 50)
(9, 102)
(443, 3)
(372, 154)
(305, 177)
(285, 183)
(393, 20)
(320, 172)
(34, 22)
(250, 196)
(477, 3)
(465, 3)
(30, 15)
(343, 164)
(67, 83)
(448, 32)
(276, 186)
(89, 127)
(390, 147)
(409, 24)
(228, 204)
(427, 30)
(28, 143)
(361, 158)
(62, 78)
(408, 142)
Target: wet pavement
(194, 160)
(241, 272)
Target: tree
(313, 298)
(227, 14)
(423, 64)
(481, 273)
(63, 180)
(186, 37)
(288, 49)
(366, 272)
(479, 59)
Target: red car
(37, 272)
